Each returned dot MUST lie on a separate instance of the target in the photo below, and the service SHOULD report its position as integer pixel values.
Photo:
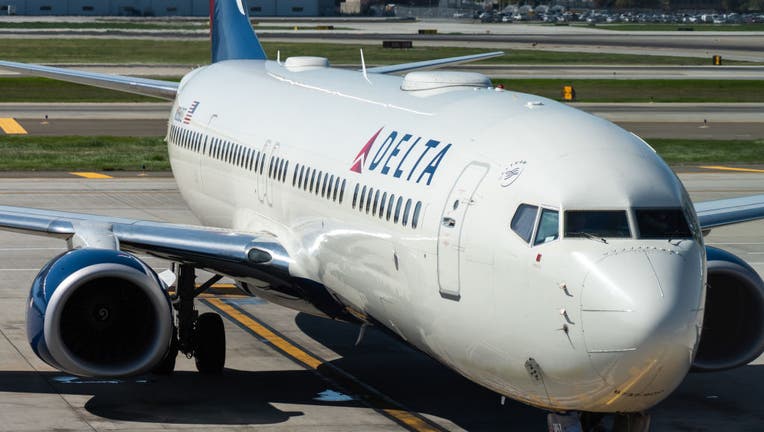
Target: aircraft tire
(209, 341)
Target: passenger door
(451, 224)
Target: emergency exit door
(450, 231)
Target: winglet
(231, 32)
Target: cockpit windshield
(662, 224)
(596, 223)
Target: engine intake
(733, 323)
(99, 312)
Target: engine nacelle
(99, 312)
(733, 323)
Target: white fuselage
(568, 324)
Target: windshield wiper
(588, 235)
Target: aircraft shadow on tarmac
(704, 402)
(409, 377)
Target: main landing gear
(199, 336)
(596, 422)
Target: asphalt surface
(744, 46)
(648, 71)
(262, 389)
(691, 121)
(143, 128)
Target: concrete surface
(261, 389)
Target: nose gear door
(450, 230)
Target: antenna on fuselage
(363, 68)
(278, 56)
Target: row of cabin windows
(321, 183)
(229, 152)
(309, 179)
(387, 206)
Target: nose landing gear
(598, 422)
(199, 336)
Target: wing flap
(712, 214)
(142, 86)
(433, 64)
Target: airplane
(561, 264)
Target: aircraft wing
(712, 214)
(141, 86)
(432, 64)
(216, 250)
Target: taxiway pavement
(262, 389)
(650, 120)
(518, 71)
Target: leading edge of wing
(142, 86)
(712, 214)
(432, 64)
(218, 250)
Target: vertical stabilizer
(231, 32)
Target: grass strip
(75, 153)
(106, 153)
(642, 90)
(688, 152)
(110, 25)
(197, 52)
(30, 89)
(155, 25)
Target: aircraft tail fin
(231, 32)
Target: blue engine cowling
(733, 322)
(99, 312)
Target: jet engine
(99, 312)
(733, 323)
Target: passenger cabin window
(549, 227)
(662, 224)
(375, 204)
(523, 221)
(598, 223)
(406, 212)
(415, 218)
(382, 205)
(390, 206)
(368, 199)
(363, 199)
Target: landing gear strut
(199, 336)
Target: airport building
(161, 7)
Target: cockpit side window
(662, 224)
(523, 221)
(549, 227)
(598, 223)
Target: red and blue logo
(403, 156)
(360, 160)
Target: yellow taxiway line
(92, 175)
(11, 127)
(724, 168)
(409, 420)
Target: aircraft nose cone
(639, 313)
